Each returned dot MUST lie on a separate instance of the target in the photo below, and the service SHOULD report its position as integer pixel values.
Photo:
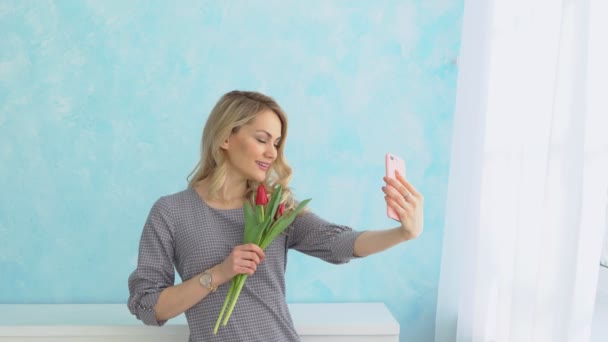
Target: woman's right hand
(244, 259)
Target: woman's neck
(230, 195)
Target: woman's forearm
(370, 242)
(175, 300)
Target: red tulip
(262, 197)
(280, 211)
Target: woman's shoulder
(180, 196)
(175, 208)
(175, 200)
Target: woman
(200, 231)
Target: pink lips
(263, 166)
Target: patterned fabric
(182, 231)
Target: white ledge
(324, 319)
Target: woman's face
(252, 150)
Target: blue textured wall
(102, 105)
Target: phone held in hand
(393, 163)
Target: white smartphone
(393, 163)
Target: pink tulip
(280, 211)
(262, 197)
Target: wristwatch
(205, 280)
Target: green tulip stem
(226, 301)
(239, 286)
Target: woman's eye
(262, 141)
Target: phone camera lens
(391, 157)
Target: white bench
(327, 322)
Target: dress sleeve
(314, 236)
(155, 265)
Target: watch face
(206, 279)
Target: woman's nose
(271, 152)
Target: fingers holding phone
(403, 202)
(393, 163)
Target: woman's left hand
(407, 202)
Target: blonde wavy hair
(232, 111)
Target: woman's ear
(225, 144)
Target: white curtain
(528, 185)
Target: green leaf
(281, 224)
(275, 199)
(251, 225)
(260, 213)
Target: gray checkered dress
(183, 231)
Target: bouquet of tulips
(262, 224)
